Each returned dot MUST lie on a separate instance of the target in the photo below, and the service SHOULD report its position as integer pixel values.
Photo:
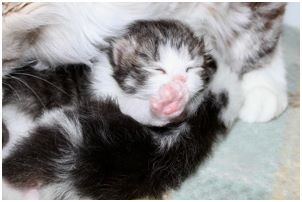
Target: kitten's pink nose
(180, 77)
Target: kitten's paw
(262, 104)
(171, 100)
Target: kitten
(243, 35)
(86, 145)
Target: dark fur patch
(33, 160)
(117, 159)
(37, 91)
(5, 134)
(210, 67)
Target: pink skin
(172, 98)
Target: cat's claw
(171, 100)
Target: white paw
(262, 104)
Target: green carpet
(256, 161)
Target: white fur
(70, 127)
(18, 124)
(60, 190)
(9, 192)
(264, 91)
(226, 80)
(76, 29)
(166, 141)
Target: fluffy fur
(245, 36)
(154, 63)
(98, 156)
(85, 145)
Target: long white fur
(77, 28)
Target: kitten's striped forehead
(152, 34)
(172, 58)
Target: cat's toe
(261, 105)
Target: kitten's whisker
(44, 81)
(13, 89)
(25, 84)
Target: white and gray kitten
(155, 71)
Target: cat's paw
(171, 99)
(261, 105)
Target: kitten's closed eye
(143, 55)
(192, 68)
(161, 70)
(156, 70)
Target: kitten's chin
(157, 123)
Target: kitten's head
(152, 53)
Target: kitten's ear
(122, 49)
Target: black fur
(118, 157)
(36, 91)
(5, 135)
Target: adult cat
(244, 35)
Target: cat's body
(69, 133)
(245, 36)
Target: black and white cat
(245, 36)
(92, 132)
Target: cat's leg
(265, 91)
